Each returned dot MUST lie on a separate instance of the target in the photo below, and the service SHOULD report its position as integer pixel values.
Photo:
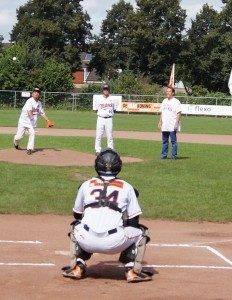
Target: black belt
(105, 117)
(112, 231)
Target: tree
(112, 48)
(156, 38)
(13, 71)
(55, 77)
(1, 40)
(206, 57)
(146, 41)
(21, 69)
(59, 28)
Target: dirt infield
(151, 136)
(190, 261)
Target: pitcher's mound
(53, 157)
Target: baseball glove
(50, 124)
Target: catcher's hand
(50, 124)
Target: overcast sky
(96, 11)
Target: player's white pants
(107, 125)
(107, 243)
(20, 133)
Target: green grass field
(129, 122)
(196, 187)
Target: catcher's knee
(135, 253)
(80, 253)
(75, 250)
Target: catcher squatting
(28, 119)
(106, 213)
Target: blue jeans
(165, 139)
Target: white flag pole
(172, 77)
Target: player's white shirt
(105, 106)
(35, 107)
(102, 219)
(169, 109)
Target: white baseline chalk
(28, 264)
(21, 242)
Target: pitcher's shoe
(16, 146)
(29, 152)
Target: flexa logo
(202, 108)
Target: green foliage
(13, 68)
(206, 58)
(112, 48)
(55, 76)
(59, 28)
(21, 69)
(146, 41)
(199, 90)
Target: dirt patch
(181, 271)
(54, 157)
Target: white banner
(209, 110)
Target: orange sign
(141, 107)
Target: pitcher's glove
(50, 124)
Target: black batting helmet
(108, 162)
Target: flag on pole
(230, 82)
(172, 77)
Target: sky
(96, 11)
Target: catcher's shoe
(131, 276)
(75, 273)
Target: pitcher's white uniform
(101, 229)
(105, 107)
(25, 124)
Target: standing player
(169, 122)
(107, 221)
(27, 120)
(105, 107)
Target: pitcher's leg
(19, 135)
(31, 139)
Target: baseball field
(186, 205)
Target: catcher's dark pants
(165, 142)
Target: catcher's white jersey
(36, 108)
(105, 106)
(103, 219)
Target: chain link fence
(83, 101)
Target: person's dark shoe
(29, 152)
(16, 146)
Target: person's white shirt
(36, 108)
(169, 109)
